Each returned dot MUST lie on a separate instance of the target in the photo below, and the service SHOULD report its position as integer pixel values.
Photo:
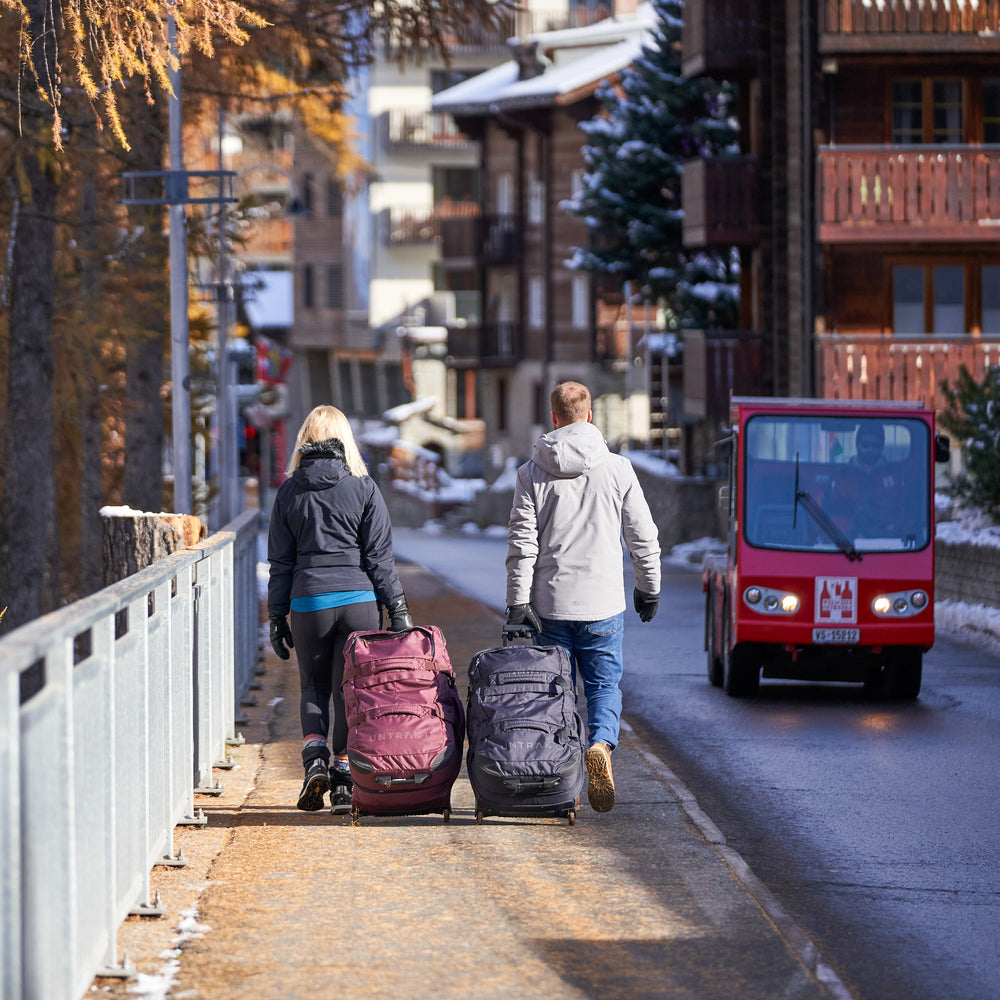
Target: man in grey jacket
(573, 502)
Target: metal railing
(113, 711)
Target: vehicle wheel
(713, 657)
(740, 667)
(902, 674)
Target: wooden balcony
(401, 226)
(418, 130)
(488, 345)
(894, 367)
(719, 197)
(893, 193)
(718, 364)
(719, 38)
(906, 26)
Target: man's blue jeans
(595, 650)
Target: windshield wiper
(821, 517)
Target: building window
(991, 298)
(536, 201)
(345, 378)
(318, 365)
(505, 194)
(308, 289)
(991, 111)
(502, 405)
(541, 411)
(927, 111)
(308, 194)
(581, 302)
(335, 286)
(929, 298)
(536, 302)
(459, 185)
(334, 198)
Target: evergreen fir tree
(651, 123)
(972, 415)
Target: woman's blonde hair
(323, 423)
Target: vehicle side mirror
(942, 448)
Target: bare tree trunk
(146, 347)
(28, 560)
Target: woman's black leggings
(320, 638)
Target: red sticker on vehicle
(836, 599)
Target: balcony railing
(406, 129)
(720, 198)
(908, 26)
(889, 193)
(894, 367)
(401, 226)
(489, 345)
(719, 38)
(717, 364)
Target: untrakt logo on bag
(836, 600)
(383, 737)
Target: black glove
(522, 622)
(645, 604)
(399, 615)
(281, 634)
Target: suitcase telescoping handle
(382, 634)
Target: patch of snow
(652, 463)
(693, 553)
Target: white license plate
(831, 636)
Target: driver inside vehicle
(869, 491)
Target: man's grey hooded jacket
(572, 504)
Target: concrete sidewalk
(276, 903)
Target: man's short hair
(871, 430)
(570, 402)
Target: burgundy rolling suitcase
(406, 722)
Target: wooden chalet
(866, 199)
(541, 320)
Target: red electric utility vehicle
(829, 573)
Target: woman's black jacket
(330, 531)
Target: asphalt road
(876, 826)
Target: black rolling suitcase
(526, 749)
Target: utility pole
(175, 195)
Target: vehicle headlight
(765, 600)
(902, 604)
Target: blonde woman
(330, 553)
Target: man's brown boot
(601, 784)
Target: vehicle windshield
(837, 483)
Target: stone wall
(967, 572)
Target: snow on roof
(605, 48)
(406, 410)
